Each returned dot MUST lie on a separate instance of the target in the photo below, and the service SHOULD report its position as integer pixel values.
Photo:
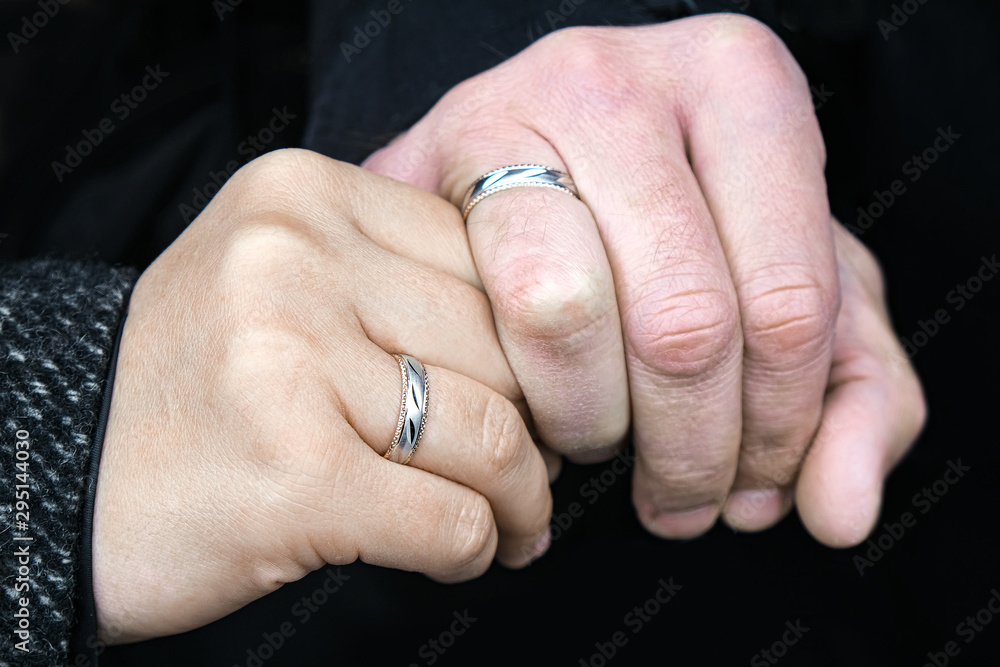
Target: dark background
(890, 94)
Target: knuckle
(588, 63)
(282, 165)
(466, 100)
(751, 61)
(774, 465)
(794, 318)
(501, 437)
(747, 39)
(693, 479)
(471, 535)
(684, 335)
(281, 179)
(271, 264)
(265, 389)
(553, 305)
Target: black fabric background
(889, 98)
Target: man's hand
(693, 294)
(256, 394)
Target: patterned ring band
(412, 410)
(516, 176)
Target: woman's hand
(256, 394)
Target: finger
(544, 267)
(864, 432)
(472, 436)
(436, 318)
(542, 262)
(415, 521)
(679, 319)
(872, 414)
(677, 305)
(758, 154)
(431, 231)
(311, 468)
(553, 462)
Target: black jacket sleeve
(59, 326)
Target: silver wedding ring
(516, 176)
(412, 410)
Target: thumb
(873, 412)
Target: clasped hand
(698, 297)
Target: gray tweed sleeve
(58, 325)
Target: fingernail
(595, 455)
(542, 545)
(754, 509)
(684, 524)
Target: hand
(693, 294)
(256, 394)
